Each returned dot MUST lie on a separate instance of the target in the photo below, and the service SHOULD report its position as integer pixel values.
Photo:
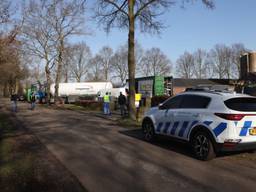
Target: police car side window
(195, 102)
(172, 103)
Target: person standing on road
(122, 104)
(127, 101)
(33, 101)
(14, 98)
(106, 100)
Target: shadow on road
(174, 145)
(162, 141)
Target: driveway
(106, 157)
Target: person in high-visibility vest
(106, 99)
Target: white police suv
(211, 121)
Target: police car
(210, 120)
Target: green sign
(159, 85)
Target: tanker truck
(72, 91)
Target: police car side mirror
(160, 106)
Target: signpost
(145, 87)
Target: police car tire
(148, 130)
(202, 146)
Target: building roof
(179, 82)
(150, 78)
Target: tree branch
(119, 8)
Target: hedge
(92, 105)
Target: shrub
(91, 105)
(156, 100)
(87, 97)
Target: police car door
(188, 113)
(165, 120)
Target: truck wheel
(202, 146)
(148, 130)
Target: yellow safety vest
(106, 99)
(137, 96)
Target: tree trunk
(106, 74)
(5, 90)
(48, 83)
(59, 69)
(131, 61)
(66, 77)
(17, 86)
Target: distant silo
(252, 62)
(247, 65)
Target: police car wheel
(202, 146)
(148, 131)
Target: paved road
(106, 157)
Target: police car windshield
(242, 104)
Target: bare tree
(67, 62)
(38, 37)
(48, 25)
(129, 14)
(229, 65)
(237, 50)
(106, 54)
(221, 61)
(5, 8)
(36, 72)
(66, 19)
(80, 62)
(185, 66)
(216, 61)
(155, 62)
(11, 70)
(201, 68)
(139, 54)
(119, 64)
(96, 69)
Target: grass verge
(128, 123)
(71, 107)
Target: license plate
(252, 131)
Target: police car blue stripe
(247, 125)
(192, 124)
(219, 129)
(183, 128)
(159, 126)
(166, 127)
(207, 122)
(175, 126)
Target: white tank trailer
(78, 89)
